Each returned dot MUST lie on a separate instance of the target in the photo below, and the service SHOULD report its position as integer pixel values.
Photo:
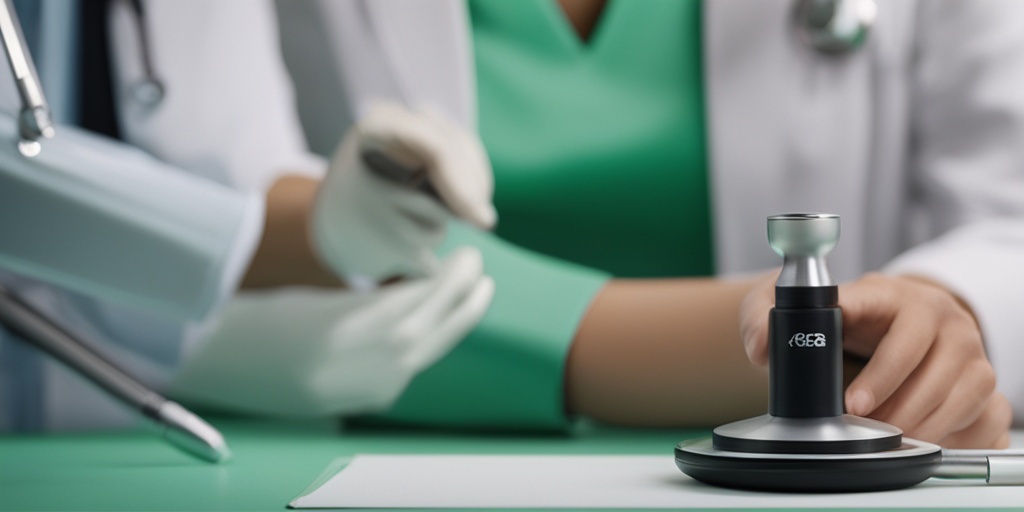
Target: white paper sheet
(591, 481)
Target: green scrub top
(600, 166)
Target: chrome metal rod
(34, 120)
(997, 467)
(174, 423)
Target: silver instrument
(34, 120)
(174, 423)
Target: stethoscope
(830, 27)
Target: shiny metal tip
(803, 234)
(803, 240)
(191, 434)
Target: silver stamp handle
(803, 240)
(996, 467)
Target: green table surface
(273, 462)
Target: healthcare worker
(673, 129)
(655, 145)
(136, 252)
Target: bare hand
(927, 374)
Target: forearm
(285, 255)
(664, 353)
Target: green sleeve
(508, 372)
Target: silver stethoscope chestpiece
(834, 27)
(148, 92)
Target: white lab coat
(917, 140)
(919, 136)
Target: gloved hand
(316, 352)
(366, 227)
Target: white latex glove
(316, 352)
(367, 227)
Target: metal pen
(173, 422)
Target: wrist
(286, 254)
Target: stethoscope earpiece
(834, 27)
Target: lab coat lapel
(786, 129)
(427, 49)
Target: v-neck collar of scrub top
(570, 40)
(599, 155)
(555, 31)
